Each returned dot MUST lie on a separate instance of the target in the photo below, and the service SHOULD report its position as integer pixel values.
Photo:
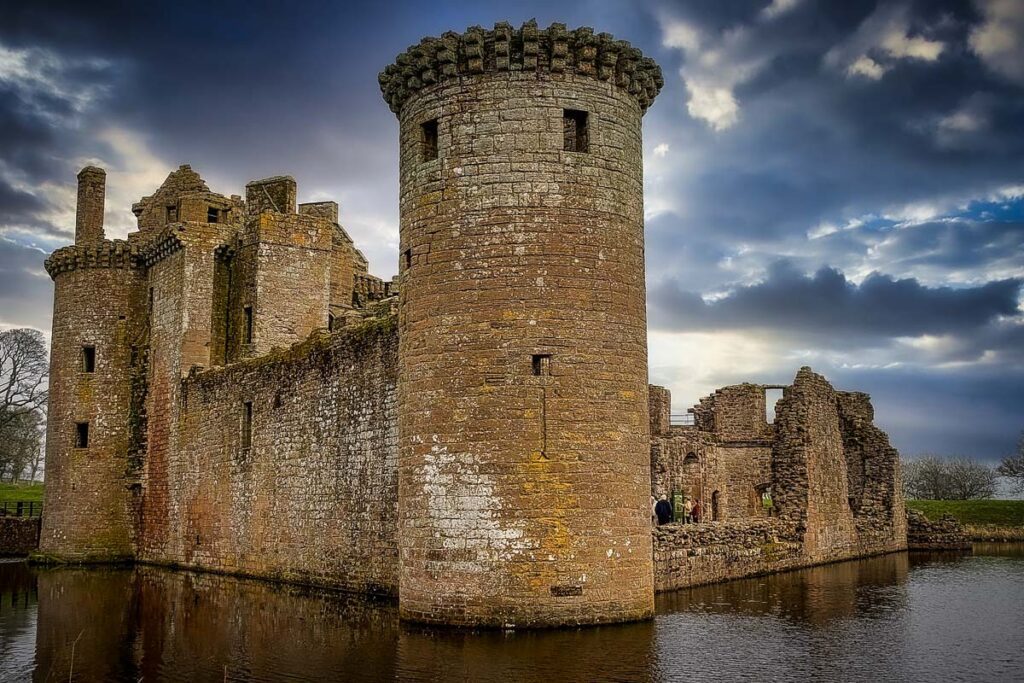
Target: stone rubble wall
(945, 534)
(18, 535)
(695, 554)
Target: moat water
(920, 617)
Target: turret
(524, 453)
(92, 187)
(97, 311)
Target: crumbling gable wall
(160, 208)
(873, 472)
(809, 466)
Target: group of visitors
(662, 511)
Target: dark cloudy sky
(834, 184)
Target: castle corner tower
(524, 454)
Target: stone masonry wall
(19, 535)
(523, 418)
(809, 467)
(946, 533)
(694, 554)
(313, 499)
(97, 304)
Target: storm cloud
(833, 183)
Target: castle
(232, 391)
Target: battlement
(553, 50)
(104, 254)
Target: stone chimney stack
(92, 187)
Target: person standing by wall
(663, 510)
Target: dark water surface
(922, 617)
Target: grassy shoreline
(983, 520)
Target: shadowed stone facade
(232, 391)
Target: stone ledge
(503, 49)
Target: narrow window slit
(88, 359)
(81, 435)
(429, 140)
(247, 425)
(248, 324)
(576, 136)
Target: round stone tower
(524, 455)
(87, 510)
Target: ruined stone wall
(19, 535)
(946, 533)
(97, 304)
(810, 469)
(523, 416)
(313, 498)
(694, 554)
(873, 472)
(159, 209)
(744, 471)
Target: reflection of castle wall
(90, 612)
(817, 594)
(206, 627)
(622, 652)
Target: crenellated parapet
(553, 50)
(163, 245)
(105, 254)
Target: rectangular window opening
(247, 425)
(429, 140)
(212, 215)
(541, 364)
(576, 136)
(81, 435)
(406, 259)
(771, 398)
(248, 324)
(172, 214)
(88, 359)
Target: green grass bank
(12, 493)
(985, 520)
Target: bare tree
(24, 371)
(1012, 466)
(21, 441)
(931, 477)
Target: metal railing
(681, 419)
(21, 508)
